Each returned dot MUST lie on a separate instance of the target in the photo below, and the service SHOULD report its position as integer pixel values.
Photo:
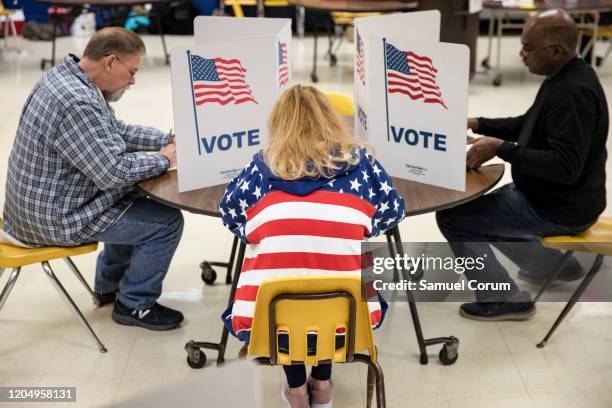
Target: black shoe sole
(130, 321)
(500, 318)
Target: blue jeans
(501, 217)
(138, 249)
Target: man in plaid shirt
(72, 173)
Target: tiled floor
(41, 344)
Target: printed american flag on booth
(412, 75)
(219, 80)
(283, 69)
(360, 64)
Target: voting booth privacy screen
(223, 93)
(411, 97)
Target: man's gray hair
(113, 40)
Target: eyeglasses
(132, 71)
(527, 49)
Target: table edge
(408, 213)
(408, 6)
(464, 200)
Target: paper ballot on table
(411, 101)
(223, 93)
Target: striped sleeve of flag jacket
(319, 233)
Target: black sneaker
(497, 311)
(570, 271)
(157, 317)
(102, 299)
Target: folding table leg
(313, 74)
(195, 356)
(208, 273)
(449, 352)
(44, 61)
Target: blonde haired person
(303, 206)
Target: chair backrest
(237, 5)
(297, 306)
(342, 102)
(346, 18)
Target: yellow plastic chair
(596, 240)
(237, 5)
(6, 15)
(343, 103)
(17, 257)
(344, 20)
(347, 18)
(300, 305)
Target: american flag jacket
(304, 227)
(73, 166)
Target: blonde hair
(308, 137)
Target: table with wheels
(419, 199)
(99, 3)
(586, 11)
(325, 7)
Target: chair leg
(567, 255)
(14, 34)
(374, 370)
(586, 48)
(9, 285)
(71, 304)
(607, 54)
(370, 387)
(6, 27)
(570, 304)
(77, 273)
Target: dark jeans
(501, 217)
(138, 249)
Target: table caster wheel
(449, 352)
(314, 77)
(485, 63)
(209, 275)
(195, 357)
(497, 80)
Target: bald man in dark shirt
(557, 152)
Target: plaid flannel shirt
(73, 165)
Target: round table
(356, 6)
(419, 198)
